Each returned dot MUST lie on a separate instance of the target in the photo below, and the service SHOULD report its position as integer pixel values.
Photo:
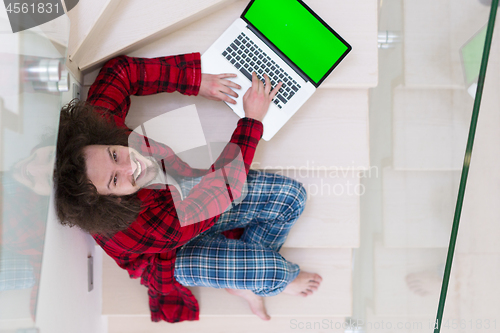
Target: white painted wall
(64, 302)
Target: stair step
(88, 23)
(124, 296)
(407, 323)
(331, 218)
(473, 274)
(87, 19)
(356, 21)
(392, 294)
(418, 207)
(434, 32)
(120, 29)
(430, 128)
(329, 131)
(244, 324)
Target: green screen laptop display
(307, 41)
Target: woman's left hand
(216, 88)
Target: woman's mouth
(138, 170)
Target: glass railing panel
(420, 115)
(472, 301)
(32, 82)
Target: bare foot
(424, 283)
(256, 302)
(304, 284)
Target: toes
(317, 277)
(313, 287)
(263, 316)
(306, 292)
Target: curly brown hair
(77, 201)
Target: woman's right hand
(258, 97)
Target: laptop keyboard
(247, 57)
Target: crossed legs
(251, 266)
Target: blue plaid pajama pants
(268, 212)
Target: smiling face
(118, 170)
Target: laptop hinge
(278, 52)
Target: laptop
(284, 39)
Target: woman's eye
(114, 156)
(115, 180)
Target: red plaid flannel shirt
(147, 248)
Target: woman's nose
(127, 167)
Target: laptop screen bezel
(349, 48)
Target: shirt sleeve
(224, 184)
(124, 76)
